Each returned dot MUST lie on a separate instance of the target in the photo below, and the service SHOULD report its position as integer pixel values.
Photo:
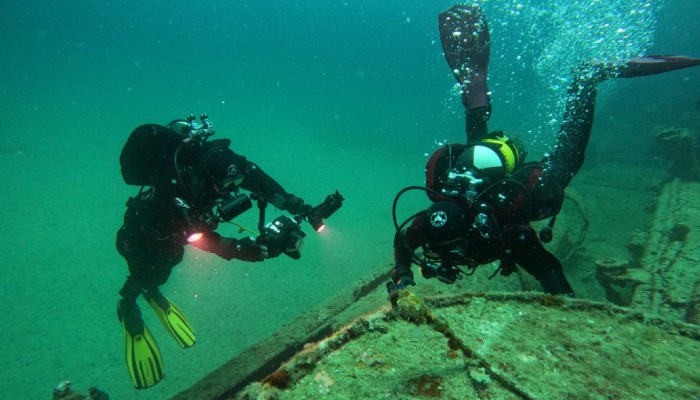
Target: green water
(324, 95)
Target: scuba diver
(188, 186)
(484, 194)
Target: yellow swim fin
(173, 320)
(142, 354)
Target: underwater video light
(192, 233)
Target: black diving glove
(247, 250)
(296, 206)
(400, 284)
(394, 286)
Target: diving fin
(143, 357)
(652, 65)
(464, 35)
(173, 320)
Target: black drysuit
(154, 234)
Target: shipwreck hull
(500, 346)
(643, 343)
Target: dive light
(192, 233)
(234, 207)
(330, 205)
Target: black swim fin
(465, 39)
(554, 282)
(652, 65)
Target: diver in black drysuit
(188, 186)
(153, 236)
(494, 223)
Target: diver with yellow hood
(484, 193)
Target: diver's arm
(405, 243)
(257, 181)
(402, 261)
(244, 249)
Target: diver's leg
(143, 280)
(130, 292)
(132, 288)
(172, 318)
(554, 282)
(149, 268)
(528, 252)
(464, 35)
(143, 358)
(128, 311)
(568, 155)
(575, 131)
(146, 270)
(162, 260)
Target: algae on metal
(495, 346)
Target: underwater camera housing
(282, 236)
